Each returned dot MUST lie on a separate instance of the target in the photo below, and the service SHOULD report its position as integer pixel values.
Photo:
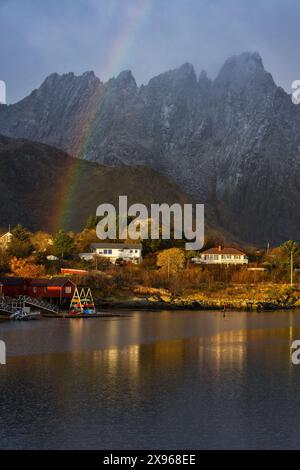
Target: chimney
(220, 248)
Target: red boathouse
(12, 286)
(58, 289)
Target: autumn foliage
(171, 260)
(26, 267)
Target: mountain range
(43, 188)
(232, 143)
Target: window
(68, 290)
(34, 290)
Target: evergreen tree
(20, 246)
(63, 245)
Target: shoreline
(263, 297)
(196, 306)
(109, 309)
(236, 298)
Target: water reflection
(153, 381)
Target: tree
(20, 248)
(63, 245)
(151, 246)
(291, 250)
(21, 233)
(92, 222)
(26, 267)
(84, 239)
(41, 241)
(4, 260)
(20, 245)
(171, 260)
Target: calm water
(151, 380)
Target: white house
(5, 240)
(221, 255)
(115, 251)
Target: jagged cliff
(232, 142)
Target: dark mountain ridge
(232, 143)
(44, 188)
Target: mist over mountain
(232, 143)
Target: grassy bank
(133, 288)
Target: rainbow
(125, 37)
(116, 58)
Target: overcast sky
(38, 37)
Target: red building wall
(66, 291)
(12, 291)
(38, 289)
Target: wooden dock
(5, 317)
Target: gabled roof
(12, 281)
(35, 282)
(38, 282)
(59, 281)
(7, 234)
(222, 251)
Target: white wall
(133, 254)
(223, 259)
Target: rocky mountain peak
(69, 80)
(204, 82)
(182, 79)
(186, 71)
(125, 79)
(228, 142)
(242, 71)
(245, 59)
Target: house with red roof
(221, 255)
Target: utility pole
(292, 268)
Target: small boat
(25, 315)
